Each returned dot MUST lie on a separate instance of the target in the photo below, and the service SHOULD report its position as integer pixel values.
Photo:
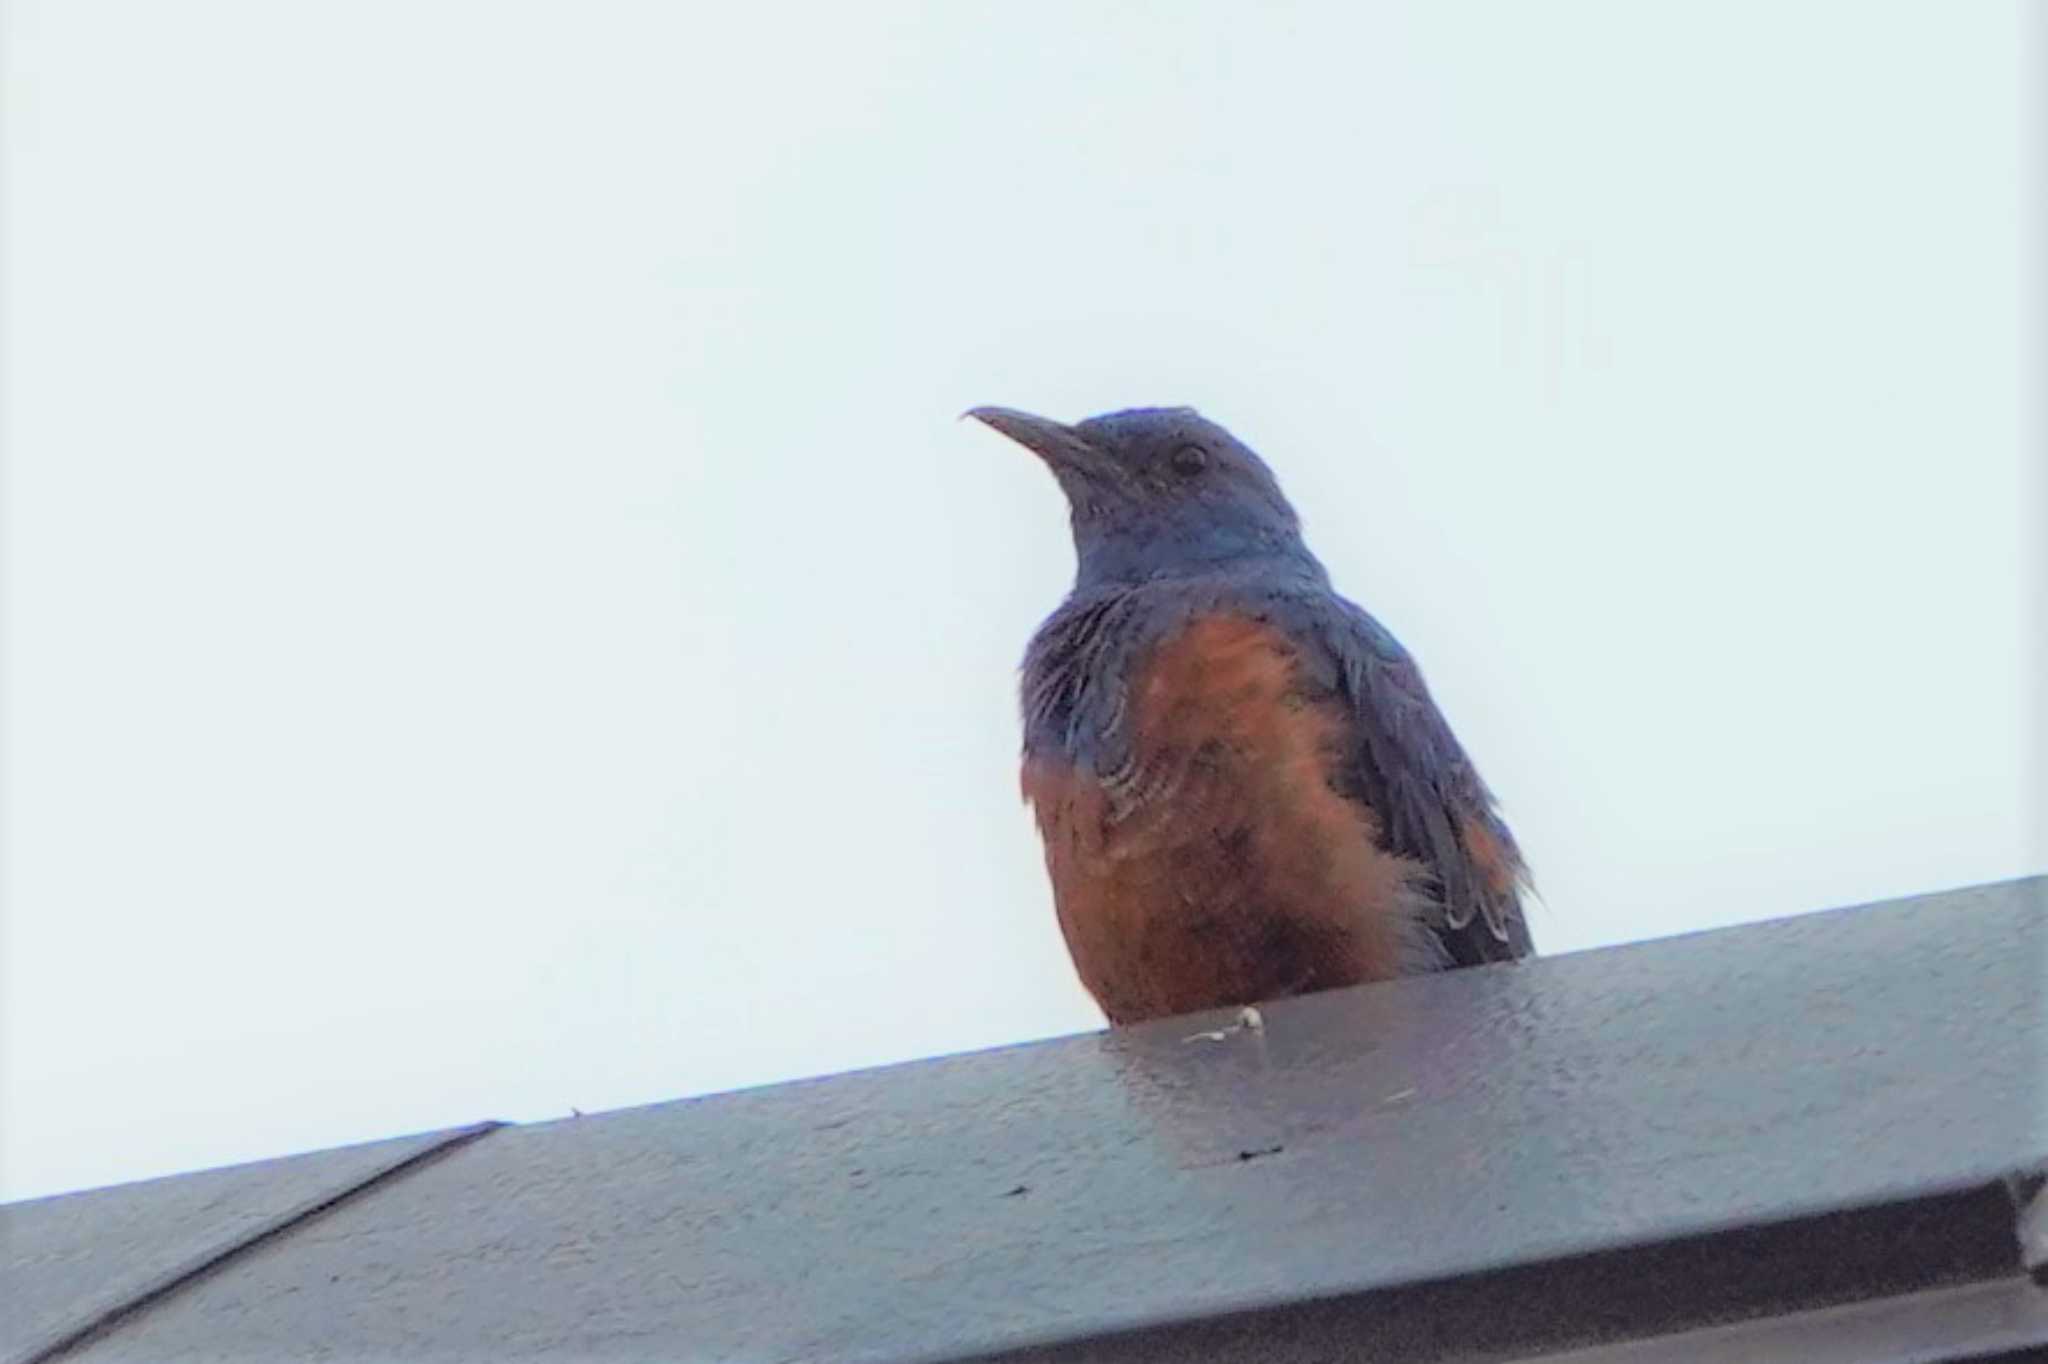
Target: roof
(1819, 1137)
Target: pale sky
(501, 613)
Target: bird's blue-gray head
(1161, 492)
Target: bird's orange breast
(1221, 866)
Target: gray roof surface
(1484, 1164)
(81, 1257)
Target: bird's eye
(1190, 459)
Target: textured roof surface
(80, 1258)
(1825, 1112)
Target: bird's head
(1160, 492)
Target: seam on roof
(110, 1319)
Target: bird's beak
(1059, 446)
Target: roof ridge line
(109, 1319)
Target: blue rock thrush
(1244, 789)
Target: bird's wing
(1409, 767)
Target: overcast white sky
(500, 613)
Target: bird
(1243, 787)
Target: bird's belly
(1224, 867)
(1195, 923)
